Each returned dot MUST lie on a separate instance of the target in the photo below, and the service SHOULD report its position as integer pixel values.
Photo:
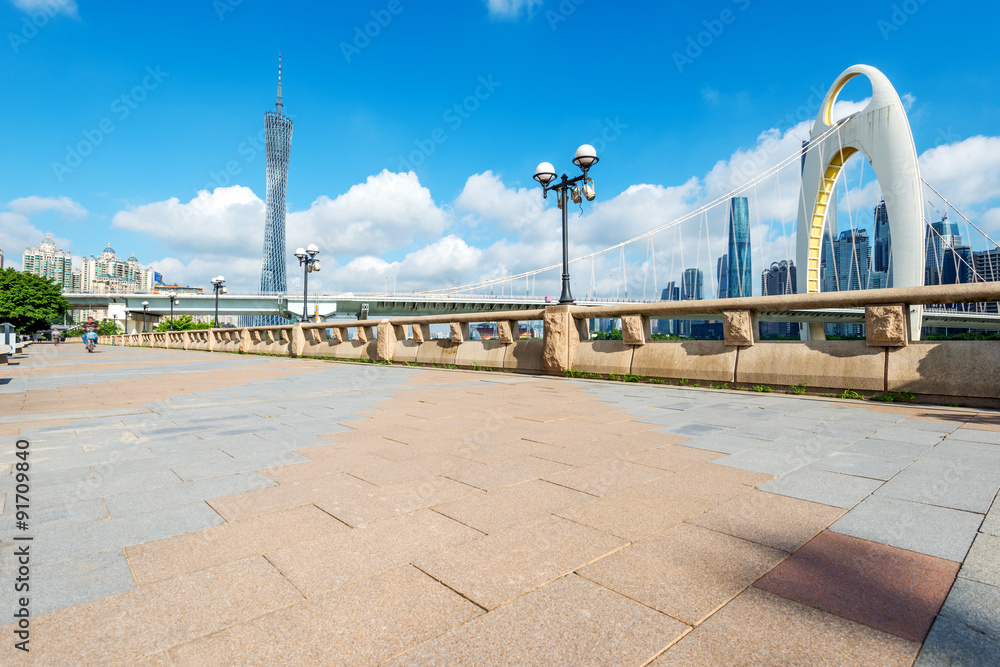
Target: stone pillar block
(338, 334)
(460, 332)
(245, 341)
(886, 326)
(421, 332)
(387, 336)
(739, 327)
(211, 340)
(507, 331)
(560, 339)
(636, 330)
(298, 343)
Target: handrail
(926, 295)
(511, 315)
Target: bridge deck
(217, 508)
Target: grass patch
(851, 394)
(799, 388)
(762, 388)
(724, 385)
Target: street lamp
(145, 307)
(172, 296)
(307, 260)
(545, 173)
(217, 285)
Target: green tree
(109, 328)
(182, 323)
(30, 302)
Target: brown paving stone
(685, 571)
(15, 429)
(339, 559)
(190, 552)
(327, 464)
(761, 629)
(672, 457)
(408, 471)
(511, 505)
(507, 472)
(389, 501)
(283, 496)
(148, 619)
(984, 422)
(495, 452)
(766, 518)
(714, 482)
(585, 453)
(606, 477)
(636, 512)
(568, 433)
(889, 589)
(497, 568)
(361, 624)
(158, 659)
(570, 621)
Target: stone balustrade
(890, 357)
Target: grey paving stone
(935, 531)
(727, 443)
(122, 531)
(862, 465)
(101, 486)
(221, 469)
(184, 493)
(75, 581)
(821, 486)
(972, 435)
(42, 520)
(115, 455)
(811, 445)
(765, 459)
(908, 435)
(933, 426)
(887, 448)
(945, 484)
(983, 561)
(976, 605)
(991, 524)
(694, 430)
(950, 643)
(964, 449)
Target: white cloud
(35, 204)
(387, 212)
(225, 220)
(241, 273)
(511, 10)
(48, 7)
(966, 172)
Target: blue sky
(167, 99)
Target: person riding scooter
(90, 334)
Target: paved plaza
(190, 508)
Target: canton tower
(278, 145)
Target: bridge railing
(890, 357)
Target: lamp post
(172, 296)
(217, 285)
(145, 307)
(545, 173)
(307, 260)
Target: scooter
(91, 338)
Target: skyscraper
(740, 279)
(277, 147)
(883, 242)
(722, 276)
(777, 280)
(693, 287)
(49, 262)
(947, 260)
(853, 255)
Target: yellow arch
(824, 199)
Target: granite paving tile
(638, 511)
(758, 628)
(510, 505)
(908, 435)
(983, 562)
(151, 618)
(497, 568)
(329, 465)
(975, 435)
(935, 531)
(776, 521)
(184, 493)
(823, 487)
(190, 552)
(883, 587)
(284, 496)
(389, 501)
(887, 448)
(361, 624)
(569, 621)
(862, 465)
(974, 604)
(962, 486)
(605, 477)
(335, 560)
(766, 459)
(73, 582)
(685, 571)
(728, 443)
(506, 473)
(952, 643)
